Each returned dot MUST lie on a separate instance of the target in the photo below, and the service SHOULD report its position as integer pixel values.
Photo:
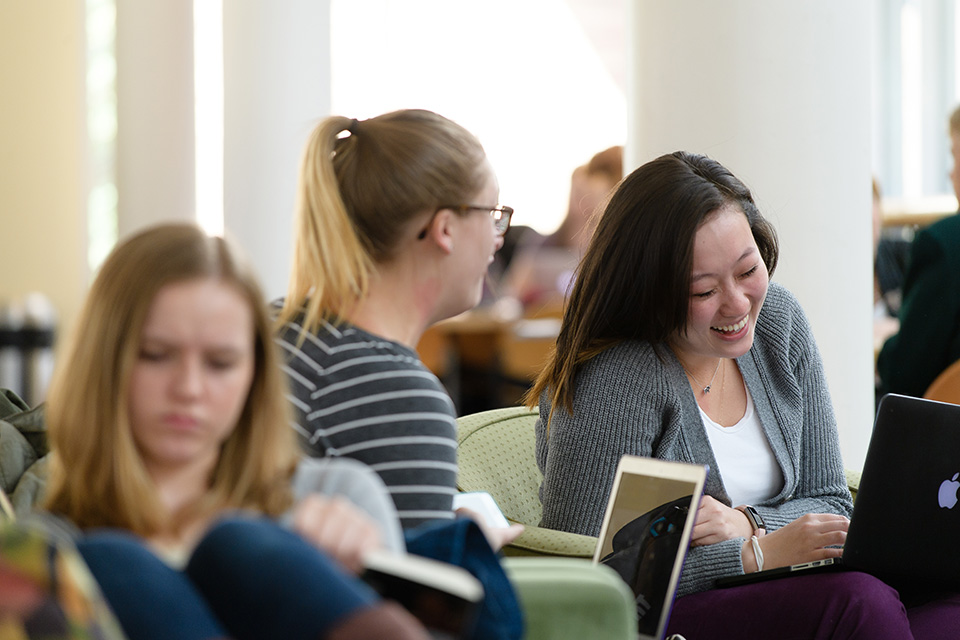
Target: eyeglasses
(500, 213)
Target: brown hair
(955, 121)
(361, 184)
(97, 477)
(607, 165)
(634, 280)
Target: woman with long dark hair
(675, 344)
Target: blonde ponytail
(361, 184)
(331, 269)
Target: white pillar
(155, 113)
(276, 87)
(780, 94)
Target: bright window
(101, 96)
(541, 83)
(915, 90)
(208, 124)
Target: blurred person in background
(929, 337)
(541, 271)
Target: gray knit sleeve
(625, 403)
(798, 403)
(615, 413)
(357, 483)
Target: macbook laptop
(646, 532)
(906, 519)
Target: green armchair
(563, 594)
(495, 453)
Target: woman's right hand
(814, 536)
(337, 527)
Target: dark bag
(461, 542)
(643, 554)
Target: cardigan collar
(694, 434)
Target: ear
(440, 230)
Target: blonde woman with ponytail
(397, 222)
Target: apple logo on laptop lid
(948, 492)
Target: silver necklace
(706, 389)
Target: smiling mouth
(732, 328)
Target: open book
(483, 504)
(445, 598)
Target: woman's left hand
(717, 522)
(336, 526)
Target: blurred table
(917, 212)
(487, 358)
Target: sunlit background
(543, 89)
(493, 66)
(214, 100)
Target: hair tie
(353, 127)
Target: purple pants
(846, 605)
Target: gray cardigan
(634, 398)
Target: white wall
(780, 94)
(276, 85)
(155, 113)
(532, 79)
(42, 147)
(276, 88)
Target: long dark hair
(634, 280)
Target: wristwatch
(754, 517)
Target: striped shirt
(361, 396)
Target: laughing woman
(676, 345)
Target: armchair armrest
(853, 482)
(539, 541)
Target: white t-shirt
(749, 469)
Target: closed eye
(750, 272)
(224, 359)
(152, 355)
(221, 364)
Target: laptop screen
(646, 532)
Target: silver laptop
(646, 532)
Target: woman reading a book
(174, 459)
(675, 344)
